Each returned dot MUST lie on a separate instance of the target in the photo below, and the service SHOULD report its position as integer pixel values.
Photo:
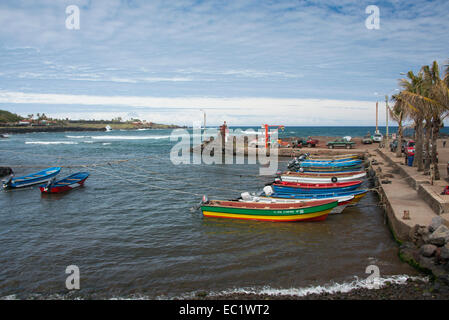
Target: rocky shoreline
(412, 290)
(428, 249)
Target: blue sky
(248, 62)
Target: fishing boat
(332, 158)
(321, 177)
(343, 201)
(330, 164)
(68, 183)
(329, 170)
(31, 179)
(280, 212)
(108, 128)
(301, 187)
(357, 194)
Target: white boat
(108, 128)
(321, 179)
(343, 201)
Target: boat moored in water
(322, 177)
(301, 187)
(281, 212)
(31, 179)
(357, 195)
(66, 184)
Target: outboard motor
(268, 190)
(7, 183)
(246, 196)
(50, 184)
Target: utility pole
(377, 111)
(386, 123)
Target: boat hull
(66, 184)
(271, 212)
(321, 179)
(33, 179)
(356, 196)
(293, 189)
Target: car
(367, 139)
(378, 137)
(309, 142)
(341, 142)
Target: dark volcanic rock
(428, 250)
(5, 171)
(436, 222)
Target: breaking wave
(301, 292)
(50, 142)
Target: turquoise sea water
(133, 232)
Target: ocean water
(134, 232)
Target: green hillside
(6, 116)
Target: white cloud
(184, 110)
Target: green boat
(252, 210)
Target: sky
(302, 62)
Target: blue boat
(355, 193)
(31, 179)
(323, 164)
(347, 186)
(68, 183)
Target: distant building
(25, 122)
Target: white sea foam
(129, 137)
(50, 142)
(106, 143)
(301, 292)
(77, 137)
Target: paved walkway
(412, 191)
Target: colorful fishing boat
(357, 194)
(31, 179)
(329, 170)
(280, 212)
(322, 177)
(330, 164)
(301, 187)
(343, 201)
(68, 183)
(333, 158)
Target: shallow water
(130, 236)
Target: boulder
(444, 252)
(5, 171)
(427, 250)
(436, 222)
(439, 242)
(440, 236)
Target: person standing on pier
(223, 132)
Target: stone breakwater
(428, 248)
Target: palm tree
(412, 87)
(399, 114)
(433, 101)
